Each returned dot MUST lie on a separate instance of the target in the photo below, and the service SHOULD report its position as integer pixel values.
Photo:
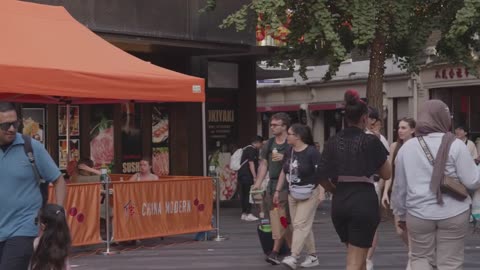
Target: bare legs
(356, 257)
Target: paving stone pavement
(242, 250)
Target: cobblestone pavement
(242, 250)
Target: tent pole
(67, 123)
(204, 139)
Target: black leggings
(15, 253)
(244, 197)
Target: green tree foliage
(331, 29)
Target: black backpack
(42, 184)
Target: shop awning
(279, 108)
(325, 106)
(46, 56)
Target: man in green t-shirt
(271, 160)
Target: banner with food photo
(74, 121)
(226, 176)
(63, 152)
(160, 143)
(33, 120)
(101, 136)
(131, 137)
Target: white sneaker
(250, 217)
(310, 261)
(369, 264)
(243, 217)
(261, 215)
(290, 262)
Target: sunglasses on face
(6, 126)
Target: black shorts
(355, 213)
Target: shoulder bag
(451, 186)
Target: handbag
(449, 185)
(299, 192)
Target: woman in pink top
(145, 173)
(52, 247)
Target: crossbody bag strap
(29, 152)
(290, 166)
(246, 160)
(426, 150)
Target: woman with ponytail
(348, 162)
(51, 248)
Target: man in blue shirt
(20, 197)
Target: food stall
(80, 80)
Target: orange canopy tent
(46, 56)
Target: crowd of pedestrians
(426, 178)
(363, 173)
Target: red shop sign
(451, 73)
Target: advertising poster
(34, 123)
(220, 125)
(221, 134)
(131, 138)
(62, 152)
(160, 151)
(74, 121)
(101, 136)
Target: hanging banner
(82, 206)
(160, 145)
(131, 138)
(101, 136)
(150, 209)
(226, 176)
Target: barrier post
(213, 173)
(107, 252)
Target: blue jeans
(15, 253)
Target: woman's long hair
(411, 123)
(304, 133)
(54, 244)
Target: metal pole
(218, 238)
(107, 218)
(204, 139)
(67, 124)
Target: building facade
(173, 35)
(320, 104)
(458, 88)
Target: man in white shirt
(462, 133)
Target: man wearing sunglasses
(20, 197)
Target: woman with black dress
(349, 161)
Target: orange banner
(83, 212)
(149, 209)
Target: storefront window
(475, 115)
(64, 154)
(461, 110)
(33, 120)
